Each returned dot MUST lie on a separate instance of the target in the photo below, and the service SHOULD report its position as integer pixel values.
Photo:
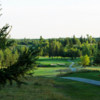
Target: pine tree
(4, 34)
(25, 62)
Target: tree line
(65, 47)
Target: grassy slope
(37, 89)
(89, 75)
(51, 71)
(51, 89)
(79, 91)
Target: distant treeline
(36, 41)
(64, 47)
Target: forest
(62, 47)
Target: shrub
(85, 60)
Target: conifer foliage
(4, 34)
(25, 62)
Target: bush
(85, 60)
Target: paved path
(83, 80)
(71, 65)
(72, 69)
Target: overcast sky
(51, 18)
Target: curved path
(94, 82)
(90, 81)
(72, 69)
(71, 65)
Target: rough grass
(40, 88)
(37, 89)
(53, 88)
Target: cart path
(72, 69)
(90, 81)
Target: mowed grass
(48, 71)
(54, 60)
(94, 73)
(93, 68)
(40, 88)
(51, 71)
(78, 90)
(88, 75)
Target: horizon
(51, 18)
(54, 37)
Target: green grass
(78, 90)
(40, 88)
(93, 68)
(51, 71)
(89, 75)
(37, 89)
(55, 60)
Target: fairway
(54, 60)
(88, 75)
(53, 66)
(51, 71)
(93, 68)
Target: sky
(51, 18)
